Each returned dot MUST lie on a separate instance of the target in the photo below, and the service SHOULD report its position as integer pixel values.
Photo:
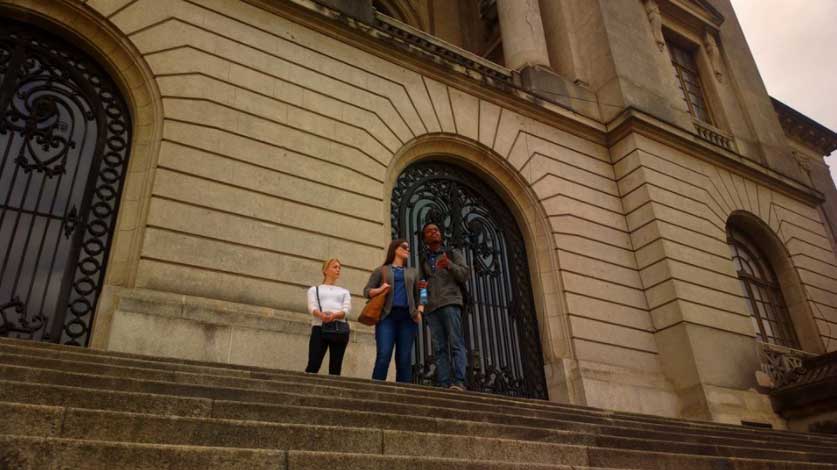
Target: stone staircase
(73, 408)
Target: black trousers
(317, 346)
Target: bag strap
(317, 288)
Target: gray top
(410, 277)
(443, 285)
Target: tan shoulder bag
(371, 313)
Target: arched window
(764, 297)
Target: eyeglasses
(405, 246)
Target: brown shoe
(457, 387)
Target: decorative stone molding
(694, 14)
(711, 46)
(713, 135)
(804, 129)
(780, 366)
(802, 160)
(655, 18)
(439, 51)
(806, 396)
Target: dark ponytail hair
(393, 245)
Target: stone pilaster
(524, 43)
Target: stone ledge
(217, 312)
(178, 326)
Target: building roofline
(804, 129)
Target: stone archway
(78, 24)
(65, 133)
(500, 323)
(512, 188)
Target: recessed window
(688, 79)
(764, 297)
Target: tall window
(764, 297)
(688, 79)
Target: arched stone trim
(92, 33)
(799, 309)
(534, 225)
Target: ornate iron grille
(64, 137)
(501, 330)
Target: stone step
(92, 425)
(235, 410)
(477, 403)
(576, 413)
(94, 361)
(36, 453)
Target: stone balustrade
(714, 135)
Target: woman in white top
(331, 305)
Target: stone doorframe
(550, 304)
(103, 42)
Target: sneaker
(457, 387)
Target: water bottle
(423, 295)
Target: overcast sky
(794, 43)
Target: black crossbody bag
(337, 328)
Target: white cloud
(794, 43)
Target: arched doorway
(64, 144)
(501, 329)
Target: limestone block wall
(677, 207)
(280, 146)
(277, 140)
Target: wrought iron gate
(64, 138)
(501, 330)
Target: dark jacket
(443, 285)
(410, 277)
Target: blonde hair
(327, 263)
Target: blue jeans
(446, 331)
(397, 330)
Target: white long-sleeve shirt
(332, 299)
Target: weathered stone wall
(280, 145)
(276, 144)
(677, 207)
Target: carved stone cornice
(634, 120)
(697, 14)
(805, 130)
(451, 65)
(436, 59)
(438, 50)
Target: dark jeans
(446, 331)
(397, 330)
(317, 346)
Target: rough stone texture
(393, 433)
(56, 454)
(225, 332)
(31, 420)
(267, 141)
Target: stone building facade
(632, 142)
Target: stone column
(524, 43)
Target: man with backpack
(445, 272)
